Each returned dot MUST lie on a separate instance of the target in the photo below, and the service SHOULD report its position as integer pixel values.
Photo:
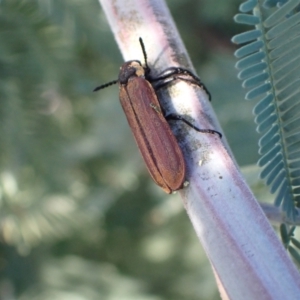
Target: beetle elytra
(152, 133)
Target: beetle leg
(174, 73)
(180, 118)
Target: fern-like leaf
(269, 66)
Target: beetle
(152, 133)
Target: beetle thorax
(130, 70)
(139, 70)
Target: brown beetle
(152, 133)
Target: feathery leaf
(269, 65)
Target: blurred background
(80, 217)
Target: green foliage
(37, 172)
(269, 63)
(79, 216)
(289, 241)
(80, 219)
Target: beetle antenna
(103, 86)
(144, 53)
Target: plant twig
(247, 257)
